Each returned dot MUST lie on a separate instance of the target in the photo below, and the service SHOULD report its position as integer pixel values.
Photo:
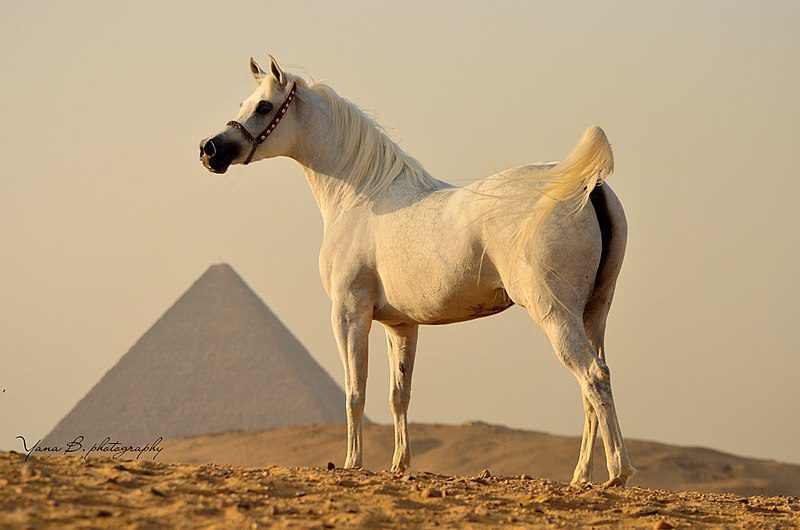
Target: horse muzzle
(216, 154)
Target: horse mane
(371, 160)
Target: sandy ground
(69, 491)
(469, 448)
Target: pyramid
(217, 360)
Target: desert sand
(69, 491)
(469, 448)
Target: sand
(69, 491)
(469, 448)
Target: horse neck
(317, 152)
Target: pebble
(331, 466)
(25, 472)
(431, 492)
(156, 491)
(662, 525)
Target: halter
(261, 138)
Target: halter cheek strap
(261, 138)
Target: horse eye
(264, 107)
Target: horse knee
(398, 400)
(355, 401)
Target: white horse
(405, 249)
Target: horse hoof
(398, 469)
(616, 482)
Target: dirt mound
(69, 491)
(469, 448)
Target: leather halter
(261, 138)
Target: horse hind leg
(594, 321)
(569, 340)
(613, 229)
(585, 467)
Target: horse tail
(572, 181)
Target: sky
(107, 216)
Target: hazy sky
(107, 216)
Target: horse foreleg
(573, 348)
(351, 328)
(402, 346)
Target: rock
(431, 493)
(331, 466)
(408, 478)
(25, 472)
(156, 491)
(482, 511)
(662, 525)
(524, 477)
(485, 474)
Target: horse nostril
(208, 148)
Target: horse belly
(437, 296)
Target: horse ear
(277, 72)
(258, 73)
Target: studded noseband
(261, 138)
